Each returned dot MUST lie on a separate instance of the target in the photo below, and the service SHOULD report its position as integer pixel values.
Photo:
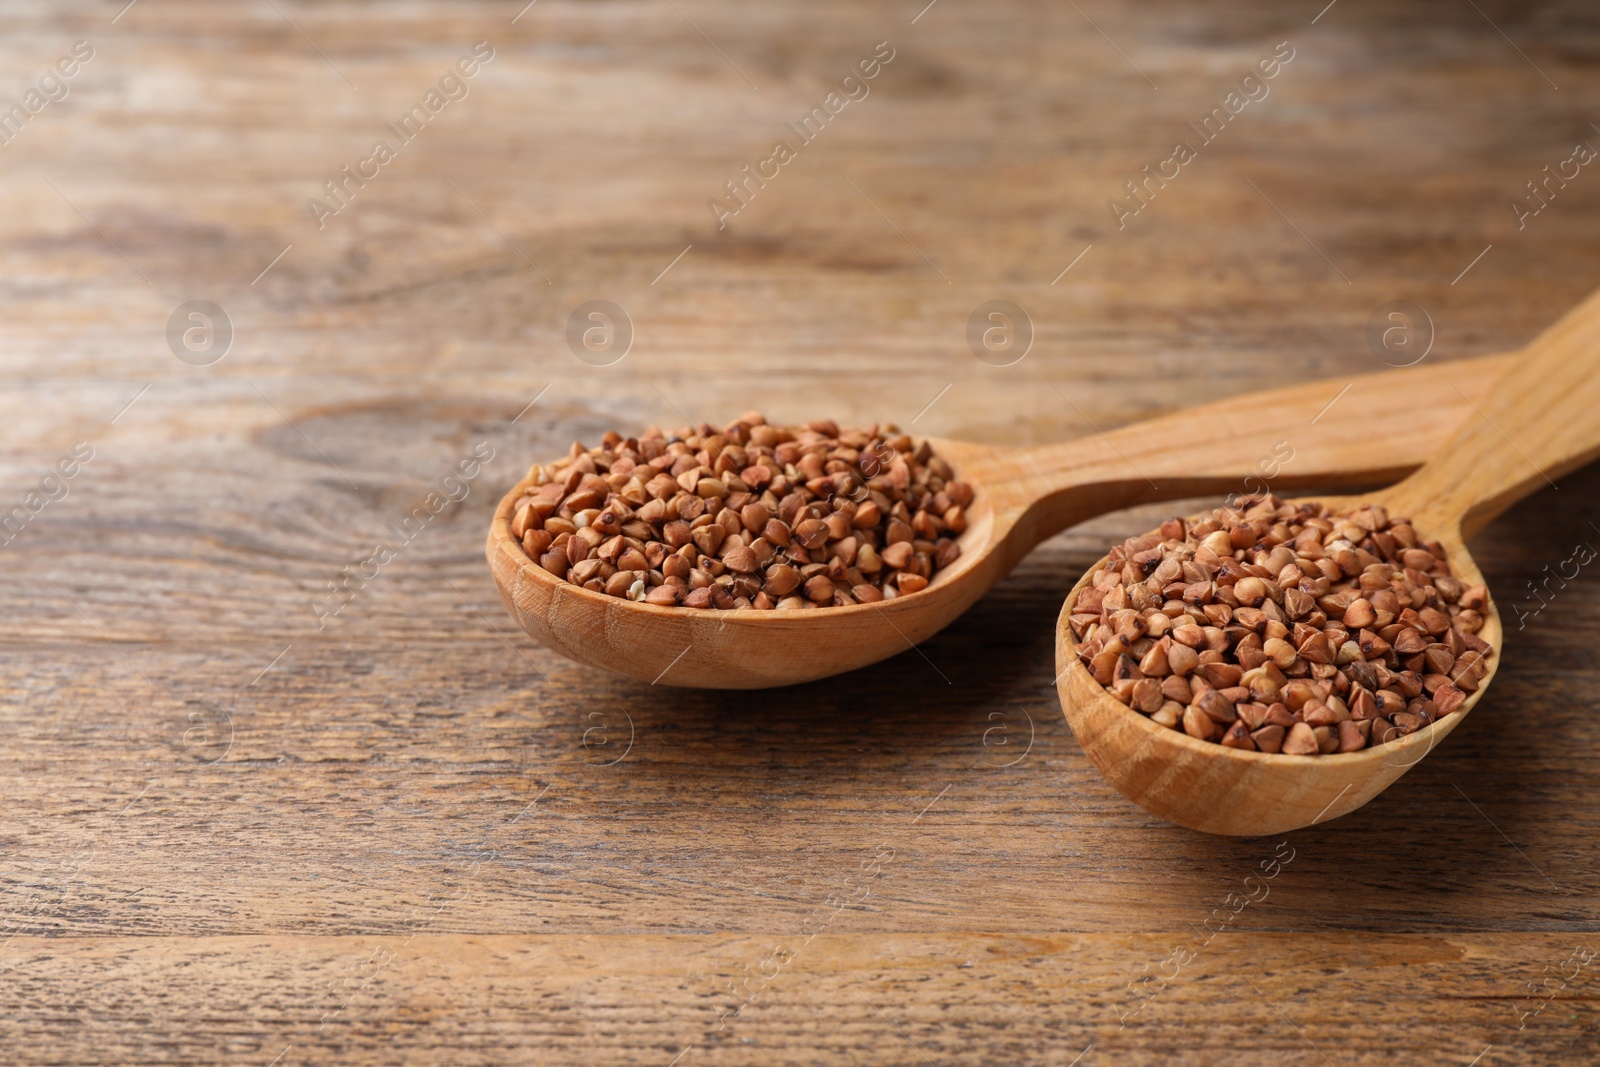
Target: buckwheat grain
(749, 516)
(1278, 627)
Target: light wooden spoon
(1538, 422)
(1024, 495)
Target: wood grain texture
(231, 837)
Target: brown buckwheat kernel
(1276, 627)
(748, 516)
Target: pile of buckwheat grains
(748, 516)
(1276, 627)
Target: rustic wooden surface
(414, 836)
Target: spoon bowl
(745, 649)
(1206, 786)
(1539, 421)
(1022, 496)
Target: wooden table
(412, 835)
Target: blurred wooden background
(414, 836)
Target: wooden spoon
(1539, 421)
(1023, 496)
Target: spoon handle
(1361, 431)
(1538, 422)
